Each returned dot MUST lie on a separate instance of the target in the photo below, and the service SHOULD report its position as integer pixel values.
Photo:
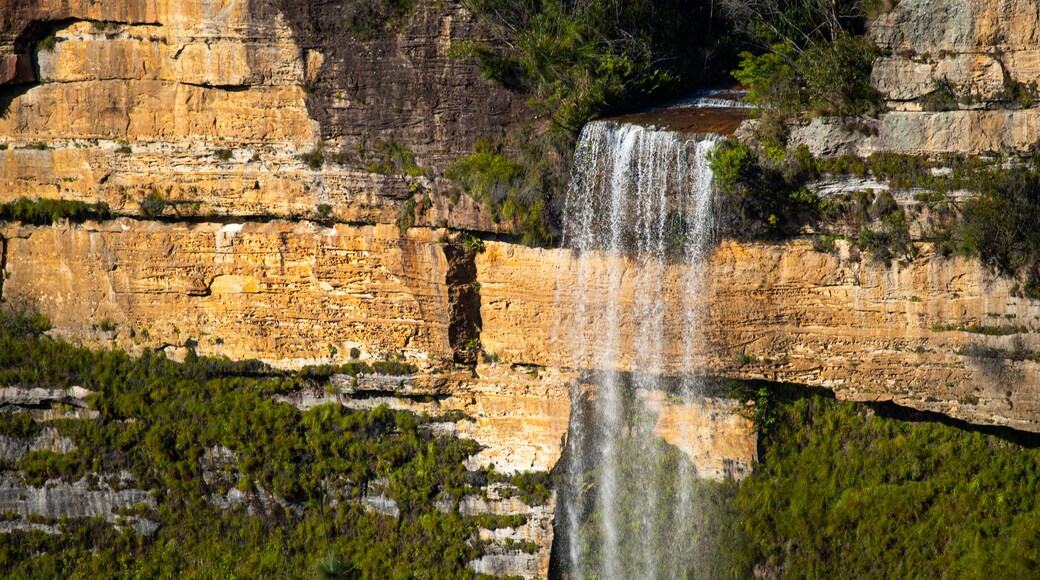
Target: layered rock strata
(292, 293)
(255, 108)
(938, 334)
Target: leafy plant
(153, 205)
(366, 18)
(48, 211)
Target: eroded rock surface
(939, 334)
(214, 107)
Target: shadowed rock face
(402, 84)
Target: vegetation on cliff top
(764, 194)
(576, 61)
(160, 421)
(807, 57)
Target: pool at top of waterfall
(718, 111)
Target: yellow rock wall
(280, 291)
(785, 312)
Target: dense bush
(579, 59)
(761, 196)
(826, 78)
(845, 492)
(48, 211)
(1000, 226)
(366, 18)
(516, 188)
(158, 419)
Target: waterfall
(639, 218)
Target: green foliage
(158, 419)
(762, 409)
(44, 212)
(223, 154)
(486, 174)
(761, 196)
(14, 424)
(978, 328)
(390, 157)
(771, 79)
(366, 18)
(471, 242)
(406, 215)
(21, 319)
(844, 492)
(356, 368)
(826, 78)
(531, 487)
(513, 190)
(1018, 94)
(47, 44)
(314, 158)
(580, 59)
(153, 205)
(943, 97)
(999, 225)
(891, 238)
(837, 77)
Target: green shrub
(49, 211)
(406, 215)
(999, 225)
(486, 174)
(826, 78)
(943, 97)
(153, 205)
(47, 44)
(771, 79)
(366, 18)
(390, 157)
(314, 158)
(845, 491)
(837, 77)
(513, 190)
(158, 419)
(579, 60)
(762, 197)
(18, 424)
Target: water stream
(640, 208)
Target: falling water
(639, 216)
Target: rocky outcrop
(981, 47)
(252, 108)
(958, 77)
(938, 334)
(288, 292)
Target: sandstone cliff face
(212, 104)
(301, 293)
(979, 46)
(785, 312)
(282, 291)
(984, 55)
